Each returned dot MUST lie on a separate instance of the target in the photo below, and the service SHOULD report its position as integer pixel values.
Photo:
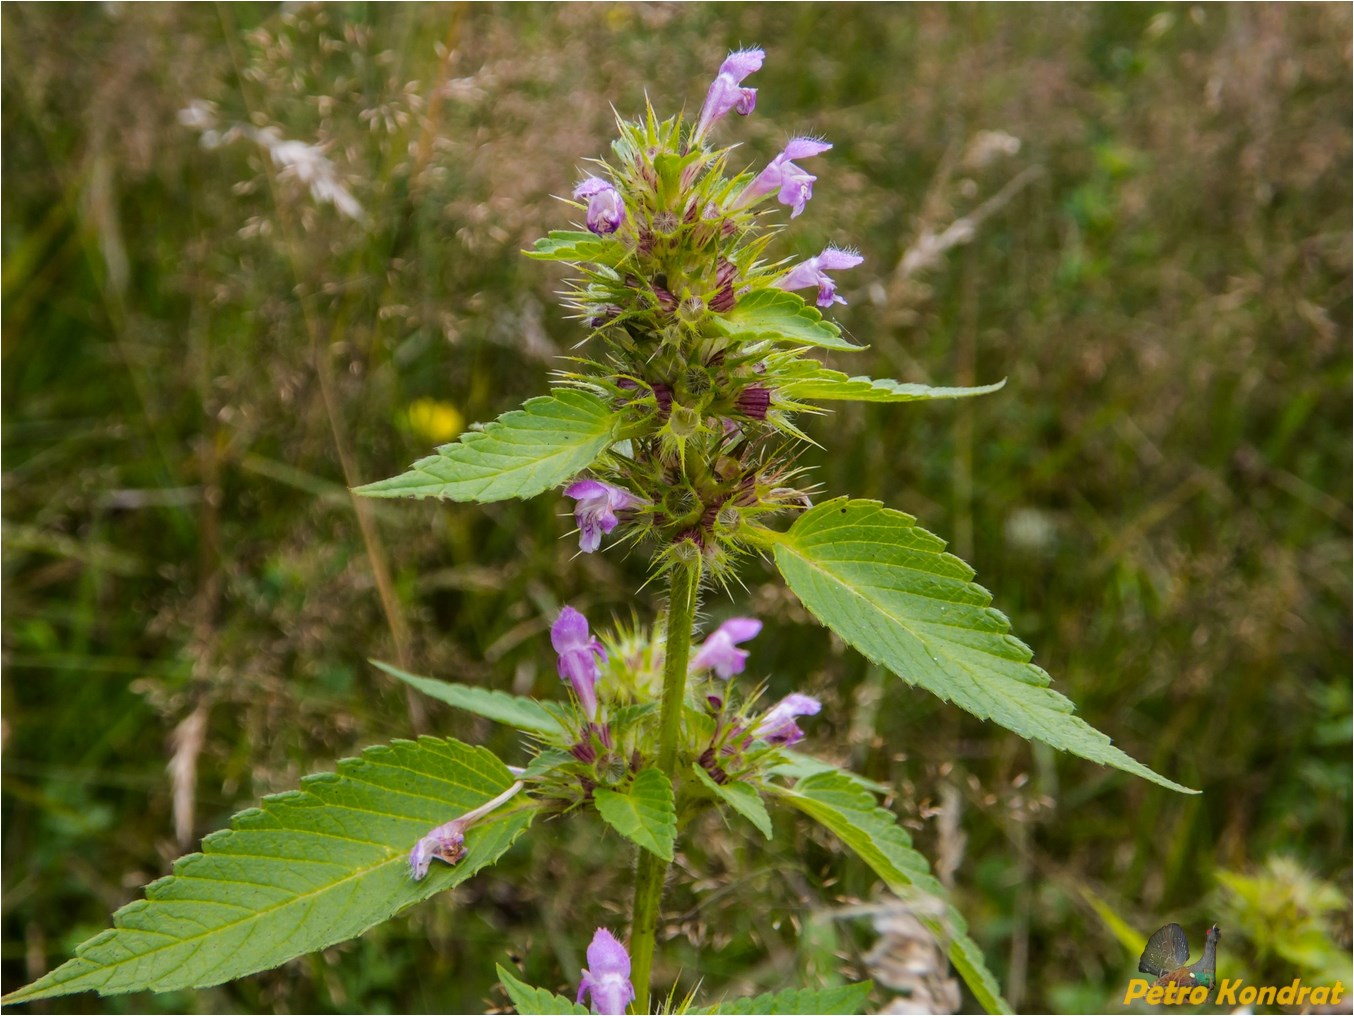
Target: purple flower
(596, 510)
(726, 91)
(754, 401)
(606, 210)
(777, 725)
(607, 975)
(812, 273)
(447, 842)
(719, 652)
(795, 185)
(578, 655)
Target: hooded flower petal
(804, 148)
(777, 725)
(720, 653)
(606, 209)
(792, 185)
(578, 655)
(726, 92)
(607, 975)
(596, 510)
(813, 273)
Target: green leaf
(303, 871)
(887, 587)
(549, 440)
(776, 316)
(645, 815)
(573, 245)
(741, 797)
(823, 385)
(839, 804)
(512, 710)
(844, 1000)
(796, 766)
(529, 1001)
(545, 763)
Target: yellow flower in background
(434, 419)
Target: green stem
(651, 871)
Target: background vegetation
(199, 356)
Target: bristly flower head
(720, 652)
(607, 976)
(813, 273)
(688, 343)
(606, 210)
(795, 186)
(777, 725)
(726, 91)
(596, 510)
(578, 655)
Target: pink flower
(795, 185)
(596, 510)
(726, 91)
(607, 975)
(446, 842)
(606, 210)
(777, 725)
(719, 652)
(812, 273)
(578, 655)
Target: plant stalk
(652, 871)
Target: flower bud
(684, 421)
(754, 401)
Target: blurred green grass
(1159, 498)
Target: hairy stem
(652, 871)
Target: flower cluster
(604, 752)
(695, 336)
(730, 750)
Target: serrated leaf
(303, 871)
(546, 762)
(573, 245)
(529, 1001)
(850, 812)
(844, 1000)
(887, 587)
(741, 797)
(529, 450)
(775, 316)
(645, 814)
(795, 765)
(512, 710)
(822, 385)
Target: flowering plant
(673, 431)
